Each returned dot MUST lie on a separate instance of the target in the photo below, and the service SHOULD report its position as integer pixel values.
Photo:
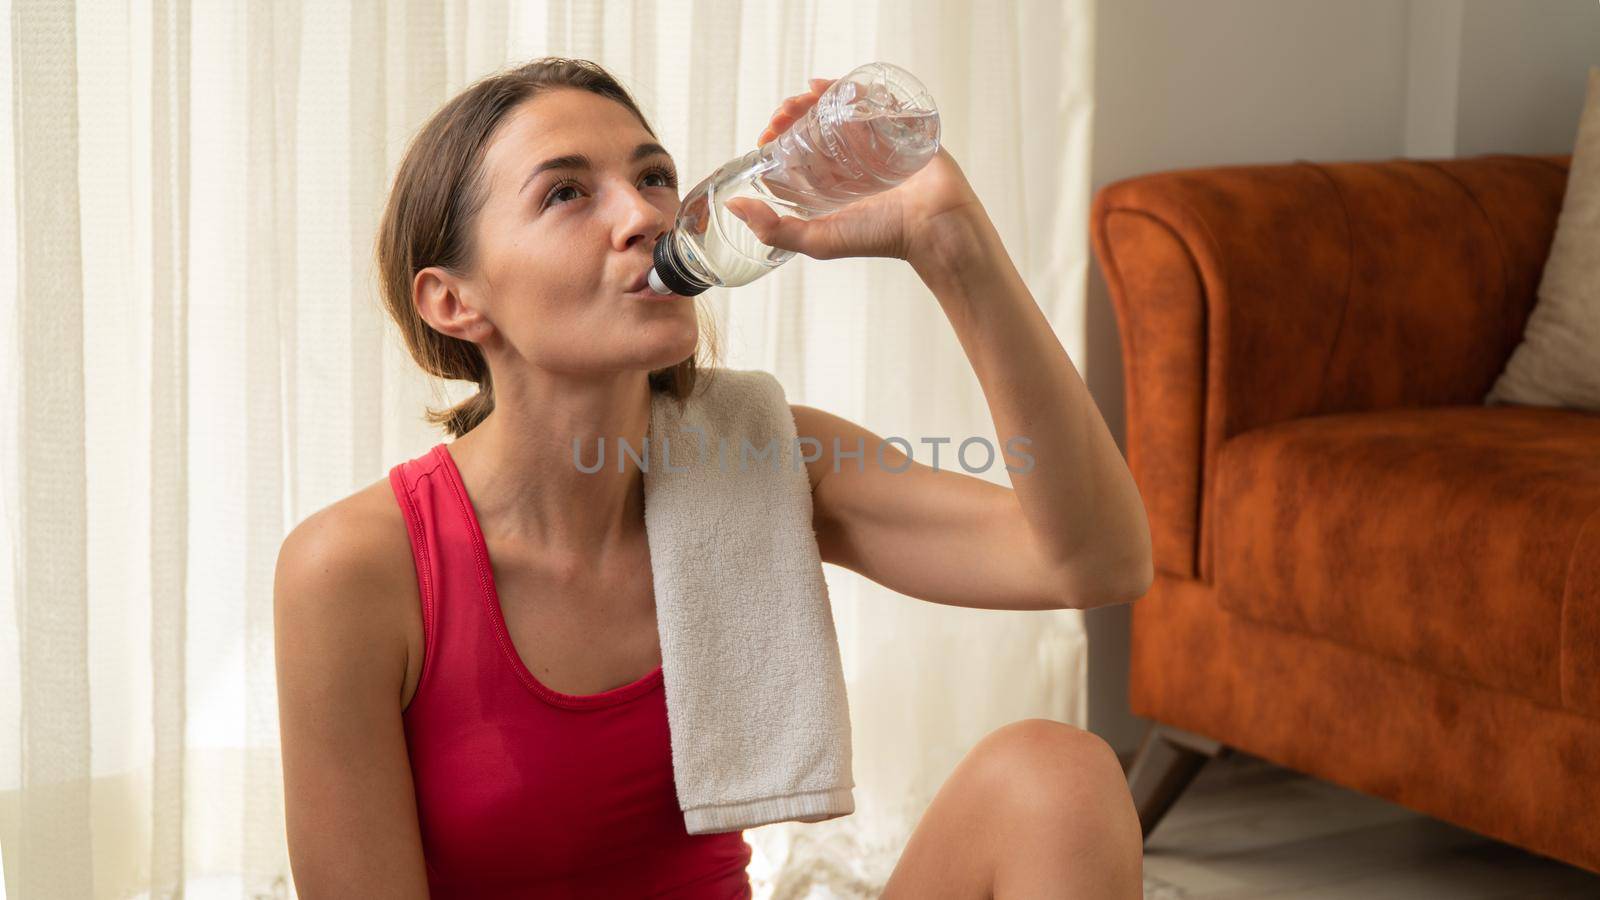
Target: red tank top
(523, 791)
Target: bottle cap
(657, 285)
(671, 275)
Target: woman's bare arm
(341, 662)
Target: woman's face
(559, 247)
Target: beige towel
(755, 692)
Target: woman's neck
(525, 479)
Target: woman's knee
(1066, 815)
(1053, 768)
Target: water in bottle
(869, 131)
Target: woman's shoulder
(347, 630)
(350, 558)
(365, 522)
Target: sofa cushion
(1441, 537)
(1580, 625)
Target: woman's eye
(667, 178)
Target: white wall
(1522, 74)
(1181, 84)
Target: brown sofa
(1363, 572)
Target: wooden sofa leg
(1167, 761)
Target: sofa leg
(1167, 761)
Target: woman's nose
(645, 222)
(647, 235)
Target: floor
(1249, 829)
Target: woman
(468, 663)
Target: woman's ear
(438, 297)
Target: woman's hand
(904, 222)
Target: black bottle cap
(672, 274)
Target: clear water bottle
(869, 131)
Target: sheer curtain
(195, 359)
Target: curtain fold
(169, 484)
(49, 749)
(264, 260)
(193, 358)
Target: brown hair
(438, 191)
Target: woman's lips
(641, 287)
(649, 294)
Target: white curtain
(194, 359)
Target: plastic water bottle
(869, 131)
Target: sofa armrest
(1249, 295)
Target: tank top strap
(448, 579)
